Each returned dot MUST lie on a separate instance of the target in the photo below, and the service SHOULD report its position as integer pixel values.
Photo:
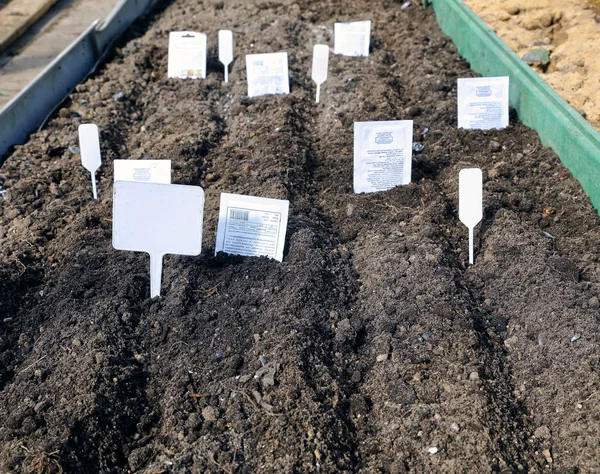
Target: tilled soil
(373, 347)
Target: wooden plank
(18, 16)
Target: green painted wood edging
(559, 125)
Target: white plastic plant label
(226, 50)
(352, 39)
(320, 65)
(470, 201)
(145, 171)
(158, 219)
(89, 146)
(267, 74)
(187, 55)
(482, 102)
(382, 155)
(252, 226)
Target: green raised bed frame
(559, 125)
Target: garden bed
(372, 343)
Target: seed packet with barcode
(482, 102)
(267, 74)
(352, 39)
(187, 55)
(382, 155)
(146, 171)
(252, 226)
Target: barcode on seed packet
(238, 215)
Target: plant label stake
(89, 145)
(158, 219)
(319, 66)
(226, 50)
(470, 201)
(147, 171)
(252, 226)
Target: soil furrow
(370, 345)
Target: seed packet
(187, 55)
(252, 226)
(352, 39)
(482, 102)
(382, 155)
(267, 74)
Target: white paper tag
(382, 155)
(252, 226)
(187, 55)
(482, 102)
(146, 171)
(352, 39)
(267, 74)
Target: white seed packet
(352, 39)
(482, 102)
(187, 55)
(145, 171)
(382, 155)
(267, 74)
(252, 226)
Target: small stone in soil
(418, 147)
(537, 57)
(576, 337)
(74, 149)
(209, 414)
(474, 376)
(119, 97)
(433, 450)
(495, 146)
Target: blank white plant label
(483, 102)
(146, 171)
(267, 74)
(352, 39)
(187, 55)
(159, 219)
(226, 50)
(252, 226)
(89, 146)
(382, 155)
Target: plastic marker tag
(352, 39)
(382, 155)
(146, 171)
(252, 226)
(187, 55)
(320, 65)
(267, 74)
(482, 102)
(158, 219)
(89, 144)
(226, 50)
(470, 201)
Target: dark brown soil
(371, 343)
